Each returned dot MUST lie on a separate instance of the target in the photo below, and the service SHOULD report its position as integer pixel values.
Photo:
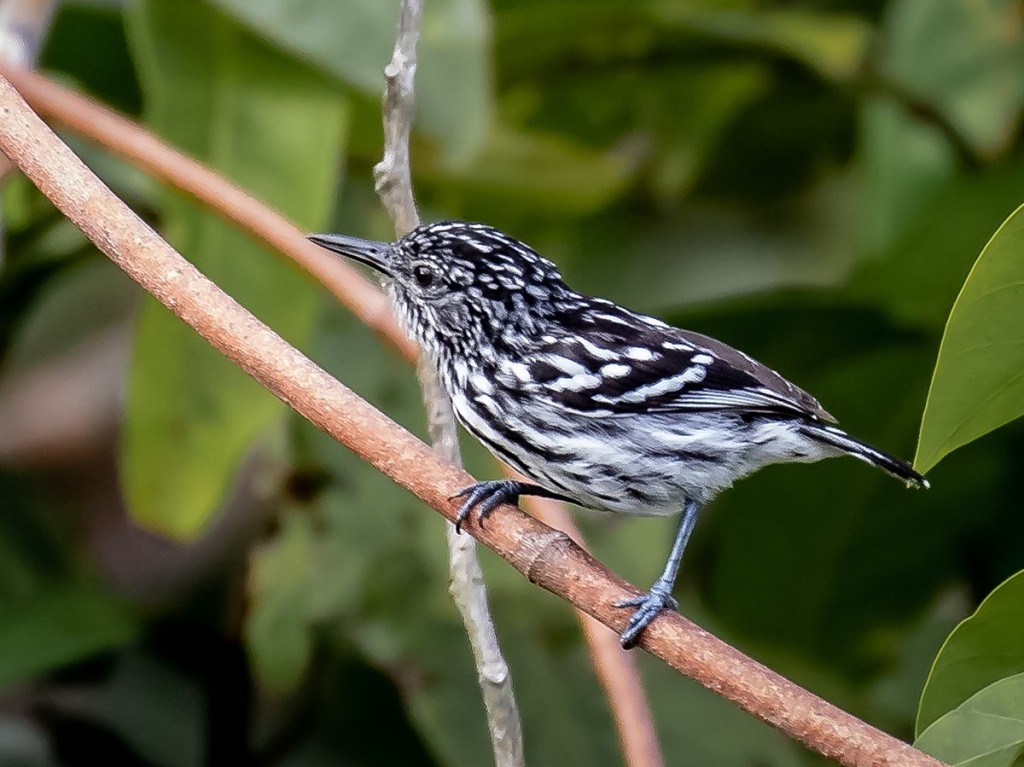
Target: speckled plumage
(600, 405)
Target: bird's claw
(648, 606)
(485, 497)
(670, 602)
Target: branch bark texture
(616, 669)
(544, 556)
(393, 177)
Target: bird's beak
(376, 255)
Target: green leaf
(987, 730)
(978, 383)
(352, 40)
(963, 57)
(275, 127)
(982, 649)
(58, 626)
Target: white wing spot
(566, 365)
(595, 350)
(616, 370)
(702, 359)
(640, 354)
(578, 382)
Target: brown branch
(393, 176)
(545, 556)
(616, 669)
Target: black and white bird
(601, 406)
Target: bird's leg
(660, 596)
(487, 496)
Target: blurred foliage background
(190, 574)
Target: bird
(596, 404)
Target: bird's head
(459, 285)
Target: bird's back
(595, 356)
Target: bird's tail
(839, 439)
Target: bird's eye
(423, 275)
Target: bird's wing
(605, 360)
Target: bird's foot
(485, 497)
(648, 606)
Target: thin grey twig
(466, 584)
(393, 174)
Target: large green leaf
(982, 649)
(978, 384)
(352, 39)
(965, 58)
(275, 127)
(987, 730)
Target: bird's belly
(645, 464)
(642, 465)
